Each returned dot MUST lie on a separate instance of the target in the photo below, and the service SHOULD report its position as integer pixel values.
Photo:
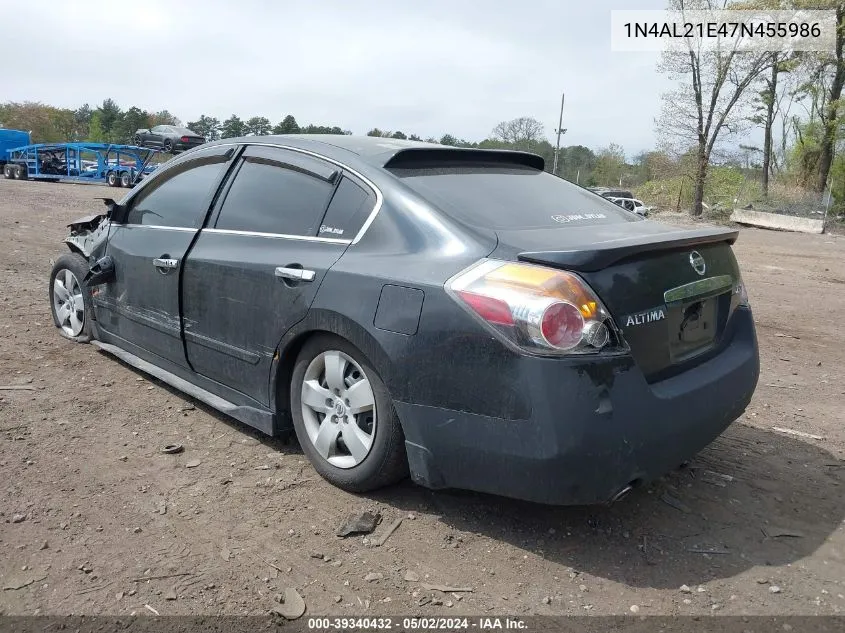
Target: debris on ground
(774, 589)
(171, 594)
(412, 576)
(776, 532)
(149, 608)
(172, 449)
(378, 542)
(675, 503)
(19, 518)
(709, 550)
(360, 523)
(685, 589)
(795, 433)
(16, 388)
(373, 576)
(193, 463)
(634, 609)
(291, 606)
(446, 588)
(20, 584)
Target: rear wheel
(125, 179)
(344, 418)
(70, 301)
(111, 179)
(168, 145)
(137, 139)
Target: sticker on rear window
(565, 219)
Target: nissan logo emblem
(697, 263)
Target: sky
(428, 68)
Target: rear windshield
(509, 198)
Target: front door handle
(161, 262)
(295, 274)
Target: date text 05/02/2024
(417, 624)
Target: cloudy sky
(456, 66)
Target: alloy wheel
(68, 303)
(338, 408)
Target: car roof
(377, 151)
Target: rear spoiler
(432, 157)
(603, 254)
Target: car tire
(385, 461)
(67, 289)
(111, 179)
(167, 146)
(126, 179)
(137, 140)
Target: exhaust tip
(623, 492)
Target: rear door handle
(165, 263)
(296, 274)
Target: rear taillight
(185, 139)
(538, 309)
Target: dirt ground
(109, 524)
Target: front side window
(269, 197)
(182, 198)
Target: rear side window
(267, 197)
(349, 209)
(182, 199)
(510, 197)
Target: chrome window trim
(159, 227)
(376, 207)
(281, 236)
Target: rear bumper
(595, 426)
(184, 146)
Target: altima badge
(697, 262)
(649, 316)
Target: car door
(140, 307)
(156, 137)
(254, 274)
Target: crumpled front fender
(88, 235)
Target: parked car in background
(458, 315)
(631, 204)
(169, 138)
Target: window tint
(505, 198)
(268, 198)
(347, 212)
(180, 200)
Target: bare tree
(831, 114)
(524, 132)
(706, 105)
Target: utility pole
(559, 132)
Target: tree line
(720, 94)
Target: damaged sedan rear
(458, 315)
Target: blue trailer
(115, 165)
(9, 139)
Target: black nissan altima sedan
(458, 315)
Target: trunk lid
(670, 290)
